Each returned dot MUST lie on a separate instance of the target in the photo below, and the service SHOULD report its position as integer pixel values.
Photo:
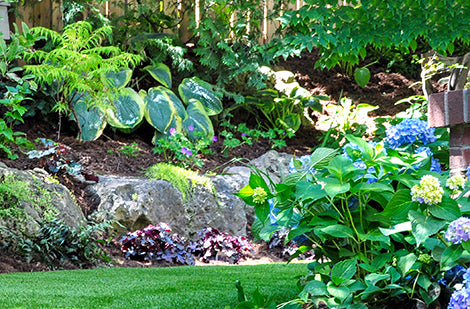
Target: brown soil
(104, 156)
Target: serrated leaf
(316, 288)
(343, 271)
(424, 226)
(405, 263)
(338, 230)
(322, 156)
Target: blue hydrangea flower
(453, 276)
(468, 172)
(352, 146)
(458, 230)
(466, 278)
(409, 131)
(305, 166)
(460, 299)
(435, 165)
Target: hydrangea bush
(375, 215)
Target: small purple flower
(172, 131)
(186, 151)
(190, 128)
(459, 230)
(244, 135)
(214, 138)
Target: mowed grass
(172, 287)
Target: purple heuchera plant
(216, 245)
(156, 243)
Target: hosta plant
(375, 217)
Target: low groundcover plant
(156, 243)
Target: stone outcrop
(137, 202)
(43, 197)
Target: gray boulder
(37, 195)
(138, 202)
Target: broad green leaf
(334, 189)
(448, 209)
(90, 119)
(322, 156)
(339, 292)
(194, 88)
(399, 205)
(163, 109)
(289, 121)
(161, 73)
(309, 192)
(371, 289)
(316, 288)
(262, 211)
(405, 263)
(373, 187)
(450, 256)
(246, 194)
(198, 119)
(340, 166)
(258, 181)
(338, 230)
(343, 271)
(372, 279)
(367, 149)
(398, 228)
(118, 79)
(424, 226)
(128, 111)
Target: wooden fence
(47, 13)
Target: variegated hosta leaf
(161, 73)
(128, 110)
(198, 119)
(117, 79)
(194, 88)
(90, 119)
(163, 109)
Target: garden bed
(106, 155)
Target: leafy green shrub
(16, 87)
(343, 33)
(375, 217)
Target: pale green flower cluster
(429, 191)
(259, 195)
(456, 183)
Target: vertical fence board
(47, 13)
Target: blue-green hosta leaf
(161, 73)
(198, 119)
(128, 111)
(163, 109)
(90, 119)
(117, 79)
(194, 88)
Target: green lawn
(172, 287)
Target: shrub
(376, 217)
